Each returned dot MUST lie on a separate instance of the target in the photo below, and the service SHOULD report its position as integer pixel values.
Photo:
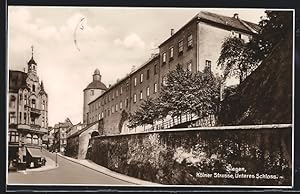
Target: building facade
(27, 115)
(197, 45)
(60, 135)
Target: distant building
(28, 115)
(60, 135)
(50, 138)
(75, 128)
(196, 46)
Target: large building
(197, 45)
(28, 114)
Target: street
(68, 172)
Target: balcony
(23, 126)
(35, 111)
(35, 127)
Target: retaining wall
(238, 155)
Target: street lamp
(56, 157)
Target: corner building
(27, 115)
(195, 46)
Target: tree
(273, 28)
(236, 58)
(146, 114)
(187, 92)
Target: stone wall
(260, 155)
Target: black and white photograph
(148, 96)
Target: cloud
(132, 41)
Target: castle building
(28, 115)
(195, 46)
(91, 92)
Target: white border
(193, 186)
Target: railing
(35, 111)
(35, 127)
(194, 121)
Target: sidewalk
(101, 169)
(50, 165)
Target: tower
(91, 92)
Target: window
(33, 105)
(12, 102)
(141, 78)
(33, 87)
(164, 57)
(148, 91)
(116, 107)
(12, 118)
(25, 98)
(108, 97)
(105, 113)
(112, 109)
(171, 53)
(92, 92)
(43, 105)
(35, 139)
(117, 92)
(20, 117)
(134, 98)
(126, 103)
(121, 90)
(121, 105)
(13, 136)
(155, 88)
(99, 116)
(207, 65)
(32, 120)
(113, 95)
(164, 80)
(155, 69)
(148, 74)
(180, 47)
(135, 81)
(189, 66)
(240, 35)
(25, 117)
(190, 41)
(141, 95)
(102, 114)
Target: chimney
(172, 32)
(236, 16)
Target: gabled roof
(222, 21)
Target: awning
(35, 152)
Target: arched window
(12, 101)
(35, 139)
(33, 105)
(28, 139)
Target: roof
(31, 61)
(17, 80)
(224, 21)
(83, 129)
(96, 85)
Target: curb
(113, 174)
(38, 170)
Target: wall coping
(238, 127)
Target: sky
(110, 39)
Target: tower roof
(31, 61)
(96, 85)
